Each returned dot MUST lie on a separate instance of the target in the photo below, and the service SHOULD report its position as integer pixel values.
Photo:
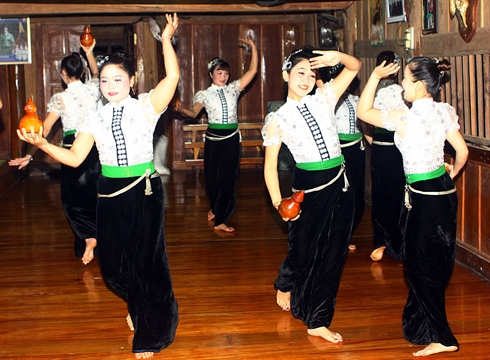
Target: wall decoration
(395, 11)
(15, 41)
(466, 13)
(429, 12)
(377, 23)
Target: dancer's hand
(171, 26)
(326, 58)
(33, 138)
(21, 162)
(381, 71)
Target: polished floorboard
(54, 307)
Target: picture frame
(395, 11)
(15, 41)
(429, 16)
(377, 19)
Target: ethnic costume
(78, 185)
(352, 146)
(222, 149)
(319, 239)
(430, 234)
(130, 220)
(387, 177)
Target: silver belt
(148, 190)
(352, 143)
(432, 193)
(383, 143)
(220, 138)
(321, 187)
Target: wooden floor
(53, 307)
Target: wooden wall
(467, 89)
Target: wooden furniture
(252, 149)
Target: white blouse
(343, 113)
(74, 104)
(425, 126)
(219, 111)
(287, 125)
(389, 97)
(137, 126)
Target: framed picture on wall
(376, 9)
(429, 24)
(15, 41)
(395, 11)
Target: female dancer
(431, 200)
(78, 185)
(130, 219)
(222, 149)
(309, 277)
(387, 177)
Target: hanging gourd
(30, 121)
(87, 39)
(290, 207)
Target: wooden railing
(252, 149)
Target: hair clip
(288, 64)
(396, 59)
(212, 64)
(101, 59)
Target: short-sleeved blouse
(287, 125)
(426, 125)
(389, 97)
(220, 112)
(137, 126)
(73, 104)
(343, 114)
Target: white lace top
(73, 104)
(389, 97)
(342, 114)
(287, 125)
(425, 126)
(137, 126)
(220, 112)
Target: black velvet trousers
(387, 191)
(133, 259)
(79, 196)
(221, 165)
(317, 247)
(355, 161)
(430, 240)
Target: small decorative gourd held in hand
(86, 39)
(290, 207)
(30, 121)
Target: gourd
(290, 207)
(86, 39)
(30, 121)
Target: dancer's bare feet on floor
(130, 322)
(88, 255)
(377, 254)
(210, 215)
(224, 227)
(283, 299)
(435, 348)
(326, 334)
(352, 248)
(143, 355)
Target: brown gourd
(290, 207)
(30, 121)
(87, 39)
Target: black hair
(306, 52)
(389, 56)
(218, 64)
(120, 60)
(430, 71)
(73, 65)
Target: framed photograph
(395, 11)
(429, 24)
(15, 41)
(376, 9)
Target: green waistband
(379, 130)
(127, 171)
(223, 126)
(350, 137)
(321, 165)
(69, 132)
(411, 178)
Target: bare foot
(352, 247)
(327, 334)
(435, 348)
(130, 322)
(283, 299)
(210, 215)
(377, 254)
(143, 355)
(224, 227)
(88, 255)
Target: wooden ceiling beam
(29, 9)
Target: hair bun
(443, 65)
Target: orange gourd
(290, 207)
(30, 121)
(86, 39)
